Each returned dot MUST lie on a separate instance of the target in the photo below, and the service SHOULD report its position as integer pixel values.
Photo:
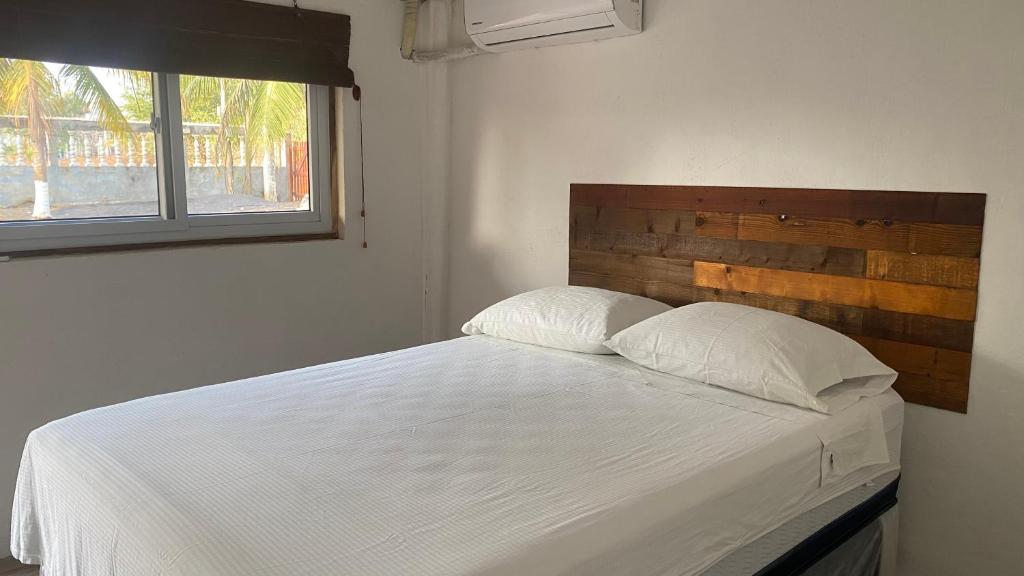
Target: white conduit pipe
(410, 23)
(445, 55)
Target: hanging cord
(298, 12)
(357, 94)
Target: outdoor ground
(222, 204)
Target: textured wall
(915, 95)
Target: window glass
(75, 142)
(246, 145)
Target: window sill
(171, 245)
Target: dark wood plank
(632, 266)
(933, 207)
(597, 195)
(864, 234)
(918, 329)
(938, 301)
(917, 359)
(667, 292)
(945, 394)
(825, 259)
(952, 271)
(633, 220)
(939, 239)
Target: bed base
(806, 554)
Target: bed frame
(897, 271)
(825, 541)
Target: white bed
(476, 456)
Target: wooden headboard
(897, 271)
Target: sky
(109, 80)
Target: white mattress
(470, 457)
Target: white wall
(874, 94)
(80, 332)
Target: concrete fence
(87, 164)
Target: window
(94, 156)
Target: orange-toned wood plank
(718, 224)
(945, 394)
(866, 234)
(952, 271)
(938, 301)
(633, 220)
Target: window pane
(75, 142)
(246, 145)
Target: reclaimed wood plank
(597, 195)
(841, 261)
(892, 236)
(952, 271)
(670, 293)
(918, 329)
(938, 301)
(864, 234)
(945, 239)
(917, 359)
(949, 395)
(718, 225)
(933, 207)
(632, 266)
(633, 220)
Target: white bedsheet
(470, 457)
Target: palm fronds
(90, 89)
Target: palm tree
(267, 112)
(29, 88)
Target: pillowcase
(757, 352)
(565, 317)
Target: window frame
(174, 224)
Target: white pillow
(564, 317)
(757, 352)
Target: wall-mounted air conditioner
(500, 25)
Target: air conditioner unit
(501, 25)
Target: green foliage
(266, 112)
(138, 96)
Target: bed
(476, 456)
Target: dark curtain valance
(228, 38)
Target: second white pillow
(757, 352)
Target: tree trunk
(40, 159)
(269, 177)
(269, 182)
(41, 154)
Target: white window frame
(175, 224)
